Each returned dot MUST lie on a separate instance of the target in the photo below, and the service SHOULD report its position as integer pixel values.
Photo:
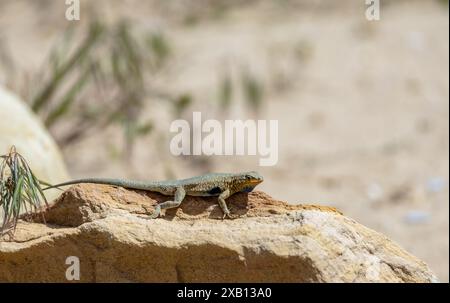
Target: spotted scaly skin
(221, 185)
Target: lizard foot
(156, 212)
(228, 215)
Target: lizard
(222, 185)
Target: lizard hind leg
(180, 193)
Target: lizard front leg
(180, 193)
(223, 205)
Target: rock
(417, 217)
(108, 229)
(19, 126)
(435, 184)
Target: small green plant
(225, 91)
(253, 90)
(250, 86)
(20, 190)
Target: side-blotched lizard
(222, 185)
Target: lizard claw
(155, 213)
(227, 215)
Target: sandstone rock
(108, 229)
(19, 126)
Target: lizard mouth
(256, 181)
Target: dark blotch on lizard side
(214, 191)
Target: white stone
(19, 126)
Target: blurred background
(363, 107)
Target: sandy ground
(362, 106)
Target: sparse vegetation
(108, 77)
(20, 190)
(113, 66)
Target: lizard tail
(115, 182)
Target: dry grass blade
(66, 102)
(20, 190)
(225, 91)
(61, 71)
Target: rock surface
(19, 126)
(108, 229)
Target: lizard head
(246, 182)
